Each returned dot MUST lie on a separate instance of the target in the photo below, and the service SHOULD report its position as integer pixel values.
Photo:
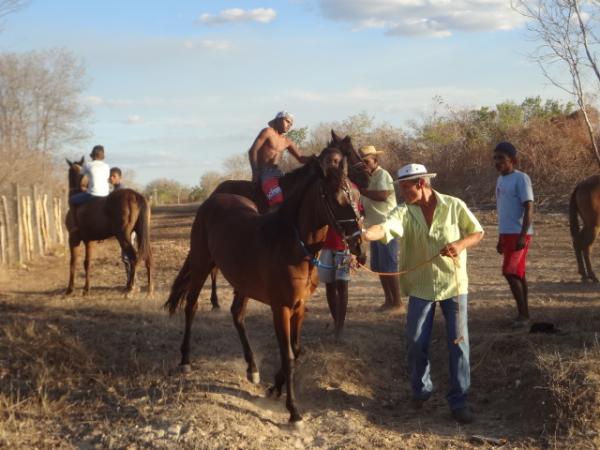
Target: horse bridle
(337, 223)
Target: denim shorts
(340, 263)
(384, 257)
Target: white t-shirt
(512, 191)
(98, 173)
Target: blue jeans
(419, 324)
(80, 198)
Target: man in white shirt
(94, 180)
(379, 200)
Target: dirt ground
(99, 371)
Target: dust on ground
(100, 371)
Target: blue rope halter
(312, 259)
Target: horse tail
(573, 215)
(180, 286)
(143, 230)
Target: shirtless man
(266, 152)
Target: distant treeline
(552, 140)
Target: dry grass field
(100, 371)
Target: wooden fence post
(7, 230)
(19, 222)
(45, 223)
(3, 241)
(58, 218)
(36, 223)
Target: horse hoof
(186, 368)
(273, 392)
(296, 425)
(253, 377)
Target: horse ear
(68, 162)
(81, 161)
(335, 137)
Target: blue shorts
(339, 265)
(384, 257)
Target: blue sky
(177, 87)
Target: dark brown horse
(118, 215)
(357, 172)
(270, 257)
(585, 202)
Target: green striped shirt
(452, 220)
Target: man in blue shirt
(514, 202)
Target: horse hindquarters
(584, 202)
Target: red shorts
(272, 190)
(514, 260)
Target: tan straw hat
(369, 150)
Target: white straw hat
(412, 172)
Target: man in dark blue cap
(514, 203)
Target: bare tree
(566, 32)
(236, 167)
(40, 108)
(9, 6)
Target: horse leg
(87, 264)
(282, 322)
(74, 250)
(591, 237)
(238, 312)
(214, 299)
(197, 281)
(578, 247)
(584, 242)
(296, 326)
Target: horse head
(340, 201)
(75, 175)
(357, 169)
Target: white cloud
(94, 100)
(208, 44)
(434, 18)
(394, 100)
(232, 15)
(134, 119)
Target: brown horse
(270, 257)
(585, 202)
(118, 215)
(357, 172)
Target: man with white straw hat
(266, 152)
(434, 231)
(379, 199)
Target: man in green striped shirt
(434, 231)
